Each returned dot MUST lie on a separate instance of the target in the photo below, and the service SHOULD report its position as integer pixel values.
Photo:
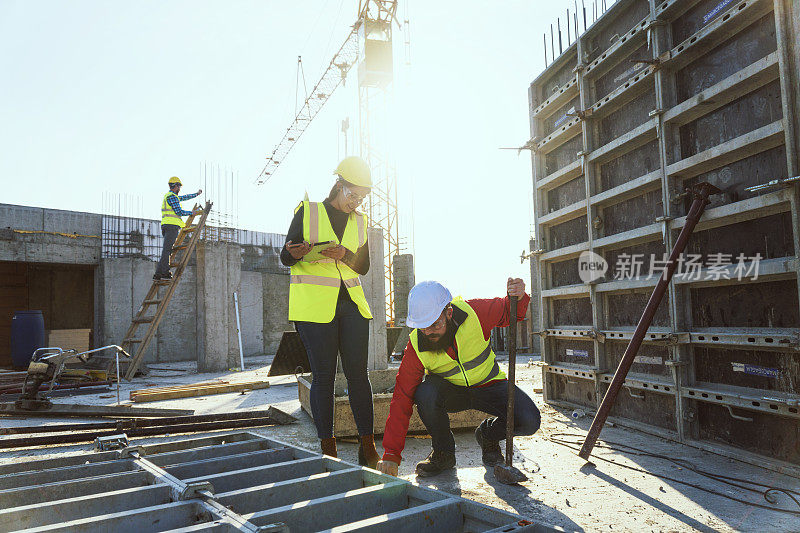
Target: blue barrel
(27, 335)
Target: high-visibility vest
(474, 364)
(168, 215)
(314, 285)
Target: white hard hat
(425, 303)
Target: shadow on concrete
(446, 481)
(519, 498)
(589, 469)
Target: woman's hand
(298, 250)
(334, 252)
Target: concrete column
(176, 336)
(375, 290)
(218, 277)
(141, 276)
(115, 313)
(275, 287)
(403, 272)
(251, 311)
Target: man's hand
(387, 467)
(199, 192)
(298, 250)
(515, 287)
(197, 211)
(334, 252)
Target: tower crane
(369, 44)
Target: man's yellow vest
(168, 215)
(475, 363)
(314, 285)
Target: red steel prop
(701, 192)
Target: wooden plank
(197, 391)
(180, 387)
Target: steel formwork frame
(238, 481)
(591, 120)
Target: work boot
(168, 275)
(436, 463)
(328, 446)
(491, 454)
(367, 454)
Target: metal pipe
(238, 330)
(121, 425)
(512, 367)
(701, 193)
(136, 432)
(16, 388)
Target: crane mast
(370, 45)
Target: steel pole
(701, 193)
(512, 366)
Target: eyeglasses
(351, 196)
(438, 324)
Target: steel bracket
(597, 335)
(195, 490)
(111, 442)
(130, 451)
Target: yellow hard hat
(175, 179)
(354, 170)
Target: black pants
(435, 397)
(170, 233)
(347, 334)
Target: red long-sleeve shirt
(492, 313)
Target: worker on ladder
(171, 223)
(327, 302)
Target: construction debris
(194, 389)
(143, 427)
(69, 410)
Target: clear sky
(112, 96)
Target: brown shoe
(328, 446)
(367, 454)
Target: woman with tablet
(326, 248)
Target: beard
(443, 342)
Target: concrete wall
(121, 284)
(251, 313)
(218, 277)
(36, 235)
(275, 291)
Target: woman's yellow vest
(168, 215)
(475, 363)
(314, 285)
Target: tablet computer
(315, 253)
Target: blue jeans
(347, 334)
(435, 397)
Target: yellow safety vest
(314, 285)
(168, 215)
(475, 363)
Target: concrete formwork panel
(667, 94)
(228, 482)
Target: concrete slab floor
(563, 492)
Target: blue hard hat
(425, 303)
